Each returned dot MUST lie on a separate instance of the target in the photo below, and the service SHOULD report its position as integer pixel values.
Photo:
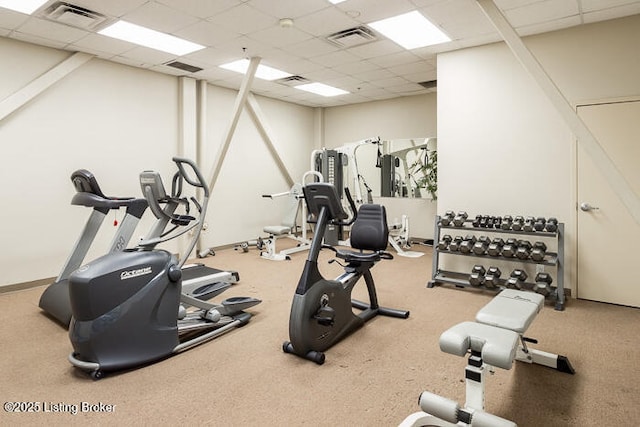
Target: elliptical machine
(128, 307)
(321, 312)
(55, 299)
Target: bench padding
(497, 346)
(511, 309)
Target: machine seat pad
(353, 256)
(511, 309)
(497, 346)
(277, 230)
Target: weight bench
(495, 339)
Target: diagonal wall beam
(265, 131)
(13, 102)
(616, 180)
(241, 100)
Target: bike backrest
(321, 194)
(370, 230)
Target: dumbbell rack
(461, 280)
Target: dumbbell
(539, 224)
(539, 251)
(495, 222)
(543, 284)
(477, 275)
(481, 245)
(443, 244)
(459, 219)
(447, 218)
(510, 247)
(492, 278)
(517, 279)
(528, 224)
(454, 245)
(476, 222)
(507, 221)
(467, 244)
(524, 249)
(551, 225)
(495, 247)
(518, 223)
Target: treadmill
(55, 299)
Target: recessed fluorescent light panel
(263, 72)
(336, 1)
(321, 89)
(133, 33)
(410, 30)
(22, 6)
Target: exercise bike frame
(321, 312)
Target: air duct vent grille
(292, 80)
(352, 37)
(429, 84)
(184, 67)
(74, 16)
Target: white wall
(503, 149)
(407, 117)
(238, 212)
(116, 121)
(110, 119)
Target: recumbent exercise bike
(321, 312)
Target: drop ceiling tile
(424, 76)
(612, 13)
(132, 62)
(335, 58)
(541, 11)
(322, 74)
(280, 37)
(11, 20)
(289, 8)
(325, 22)
(293, 64)
(53, 31)
(367, 11)
(147, 55)
(459, 18)
(103, 44)
(25, 37)
(377, 74)
(206, 33)
(202, 9)
(412, 68)
(210, 56)
(245, 47)
(593, 5)
(399, 58)
(160, 17)
(390, 82)
(243, 19)
(311, 48)
(557, 24)
(377, 48)
(355, 67)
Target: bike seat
(353, 256)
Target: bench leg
(539, 357)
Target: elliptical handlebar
(200, 182)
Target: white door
(608, 236)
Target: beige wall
(407, 117)
(503, 149)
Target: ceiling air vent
(352, 37)
(74, 16)
(429, 84)
(184, 67)
(292, 80)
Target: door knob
(586, 207)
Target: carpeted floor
(373, 378)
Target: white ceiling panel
(234, 29)
(160, 17)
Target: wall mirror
(405, 167)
